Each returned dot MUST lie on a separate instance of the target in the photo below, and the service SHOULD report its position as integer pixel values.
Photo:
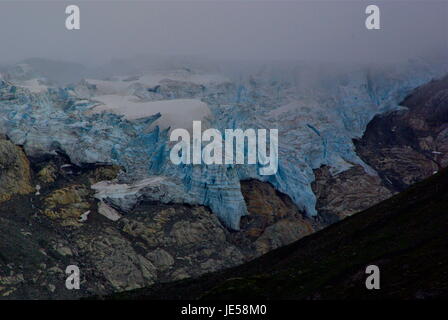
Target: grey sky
(254, 30)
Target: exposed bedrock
(409, 145)
(273, 219)
(348, 192)
(14, 171)
(43, 232)
(61, 219)
(403, 147)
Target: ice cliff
(126, 121)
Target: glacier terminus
(127, 121)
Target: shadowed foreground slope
(406, 236)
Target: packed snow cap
(126, 121)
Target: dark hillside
(406, 236)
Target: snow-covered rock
(126, 196)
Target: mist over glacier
(109, 92)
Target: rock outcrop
(15, 176)
(403, 147)
(67, 205)
(273, 220)
(348, 192)
(409, 145)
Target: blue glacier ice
(317, 113)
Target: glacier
(318, 112)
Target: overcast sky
(294, 30)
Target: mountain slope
(405, 236)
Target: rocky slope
(405, 236)
(403, 147)
(15, 175)
(50, 218)
(409, 145)
(348, 192)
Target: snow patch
(176, 113)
